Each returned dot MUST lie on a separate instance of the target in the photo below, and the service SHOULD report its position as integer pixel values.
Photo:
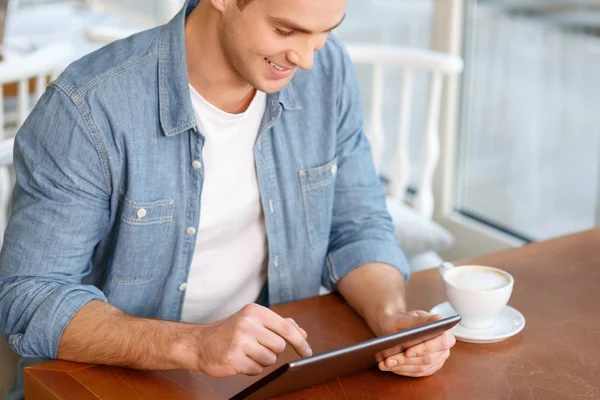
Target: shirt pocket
(317, 185)
(141, 240)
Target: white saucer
(509, 323)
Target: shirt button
(141, 213)
(183, 286)
(196, 164)
(191, 230)
(334, 170)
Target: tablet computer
(346, 360)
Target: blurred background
(518, 138)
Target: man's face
(268, 40)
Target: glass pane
(530, 138)
(392, 22)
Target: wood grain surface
(556, 356)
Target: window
(530, 139)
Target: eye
(284, 33)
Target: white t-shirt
(229, 265)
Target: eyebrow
(286, 23)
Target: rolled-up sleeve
(59, 214)
(362, 231)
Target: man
(166, 178)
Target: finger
(260, 354)
(286, 330)
(441, 343)
(419, 313)
(419, 370)
(250, 367)
(271, 340)
(302, 331)
(419, 373)
(403, 321)
(400, 360)
(413, 319)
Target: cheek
(266, 44)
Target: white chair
(419, 236)
(42, 66)
(6, 159)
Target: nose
(303, 59)
(303, 56)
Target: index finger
(302, 331)
(288, 331)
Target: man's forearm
(101, 334)
(374, 291)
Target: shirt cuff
(44, 331)
(343, 260)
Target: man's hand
(244, 343)
(247, 341)
(423, 359)
(376, 291)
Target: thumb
(431, 317)
(413, 319)
(419, 313)
(408, 320)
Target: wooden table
(556, 356)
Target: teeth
(275, 65)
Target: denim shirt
(116, 133)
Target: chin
(266, 85)
(271, 86)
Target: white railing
(438, 65)
(6, 159)
(41, 66)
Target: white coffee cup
(476, 292)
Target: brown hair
(243, 3)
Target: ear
(220, 5)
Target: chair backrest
(6, 160)
(26, 73)
(17, 74)
(438, 65)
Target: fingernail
(392, 363)
(308, 352)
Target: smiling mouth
(277, 67)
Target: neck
(209, 71)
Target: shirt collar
(175, 105)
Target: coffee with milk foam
(479, 279)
